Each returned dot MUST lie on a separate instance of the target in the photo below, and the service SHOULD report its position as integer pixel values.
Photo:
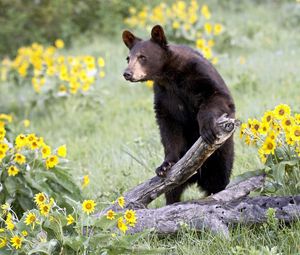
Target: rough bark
(143, 194)
(216, 212)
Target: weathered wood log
(219, 211)
(143, 194)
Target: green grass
(114, 137)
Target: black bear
(189, 95)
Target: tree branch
(143, 194)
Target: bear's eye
(142, 58)
(127, 59)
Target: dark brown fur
(189, 95)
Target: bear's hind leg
(215, 172)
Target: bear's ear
(158, 36)
(129, 39)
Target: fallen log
(140, 196)
(215, 212)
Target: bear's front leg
(208, 114)
(174, 144)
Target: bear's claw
(162, 170)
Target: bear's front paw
(162, 170)
(209, 132)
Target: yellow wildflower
(122, 225)
(19, 158)
(269, 146)
(52, 161)
(110, 215)
(13, 171)
(26, 123)
(130, 217)
(295, 133)
(101, 62)
(218, 29)
(85, 181)
(16, 241)
(46, 151)
(59, 43)
(30, 219)
(282, 111)
(70, 219)
(88, 206)
(121, 201)
(20, 141)
(40, 198)
(150, 84)
(45, 209)
(3, 242)
(24, 233)
(62, 151)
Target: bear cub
(189, 95)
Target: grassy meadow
(112, 134)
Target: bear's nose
(127, 75)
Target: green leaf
(46, 248)
(11, 185)
(74, 242)
(245, 176)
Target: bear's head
(146, 58)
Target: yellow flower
(30, 138)
(5, 207)
(208, 28)
(46, 151)
(9, 222)
(255, 126)
(200, 43)
(110, 215)
(272, 135)
(2, 133)
(45, 209)
(40, 198)
(130, 217)
(218, 29)
(295, 133)
(34, 145)
(88, 206)
(205, 11)
(20, 141)
(287, 123)
(19, 158)
(3, 242)
(176, 24)
(85, 181)
(26, 123)
(282, 111)
(13, 171)
(70, 219)
(24, 233)
(62, 151)
(101, 62)
(101, 74)
(263, 129)
(6, 117)
(52, 161)
(215, 61)
(30, 219)
(122, 225)
(269, 146)
(59, 43)
(16, 241)
(150, 84)
(268, 117)
(121, 201)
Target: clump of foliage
(50, 73)
(183, 21)
(277, 136)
